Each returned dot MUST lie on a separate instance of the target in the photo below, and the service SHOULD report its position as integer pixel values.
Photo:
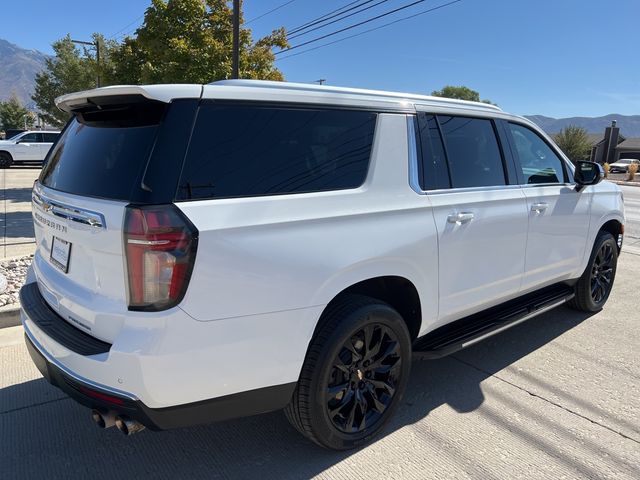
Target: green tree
(574, 142)
(70, 70)
(460, 93)
(13, 114)
(189, 41)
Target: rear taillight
(160, 248)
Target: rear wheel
(595, 284)
(354, 376)
(5, 160)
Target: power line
(370, 29)
(294, 29)
(329, 16)
(404, 7)
(125, 27)
(337, 19)
(269, 12)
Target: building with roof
(612, 146)
(629, 148)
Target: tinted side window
(538, 161)
(31, 138)
(50, 137)
(434, 161)
(242, 150)
(472, 151)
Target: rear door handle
(539, 207)
(460, 218)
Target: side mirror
(587, 173)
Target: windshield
(17, 137)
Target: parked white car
(623, 164)
(207, 252)
(27, 147)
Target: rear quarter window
(248, 150)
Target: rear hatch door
(102, 163)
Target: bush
(633, 169)
(574, 142)
(606, 168)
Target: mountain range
(18, 68)
(629, 124)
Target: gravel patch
(14, 270)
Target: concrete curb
(622, 182)
(10, 316)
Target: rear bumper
(172, 373)
(96, 397)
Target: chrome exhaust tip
(128, 426)
(103, 420)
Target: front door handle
(539, 207)
(460, 218)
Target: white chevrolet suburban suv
(208, 252)
(29, 146)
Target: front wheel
(595, 284)
(355, 374)
(5, 160)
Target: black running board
(475, 328)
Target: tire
(595, 284)
(5, 160)
(355, 373)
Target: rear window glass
(50, 137)
(473, 152)
(242, 150)
(101, 156)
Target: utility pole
(321, 81)
(95, 44)
(235, 73)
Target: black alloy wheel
(354, 375)
(602, 273)
(363, 378)
(594, 286)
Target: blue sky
(551, 57)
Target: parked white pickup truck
(29, 146)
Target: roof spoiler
(161, 93)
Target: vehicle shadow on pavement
(46, 435)
(17, 225)
(17, 195)
(16, 221)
